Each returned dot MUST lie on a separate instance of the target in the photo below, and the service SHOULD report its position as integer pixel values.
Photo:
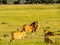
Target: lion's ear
(54, 33)
(46, 31)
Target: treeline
(29, 1)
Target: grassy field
(15, 16)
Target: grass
(15, 16)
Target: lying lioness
(18, 35)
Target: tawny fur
(18, 35)
(32, 27)
(49, 37)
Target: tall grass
(15, 16)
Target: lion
(49, 37)
(18, 35)
(32, 27)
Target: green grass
(15, 16)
